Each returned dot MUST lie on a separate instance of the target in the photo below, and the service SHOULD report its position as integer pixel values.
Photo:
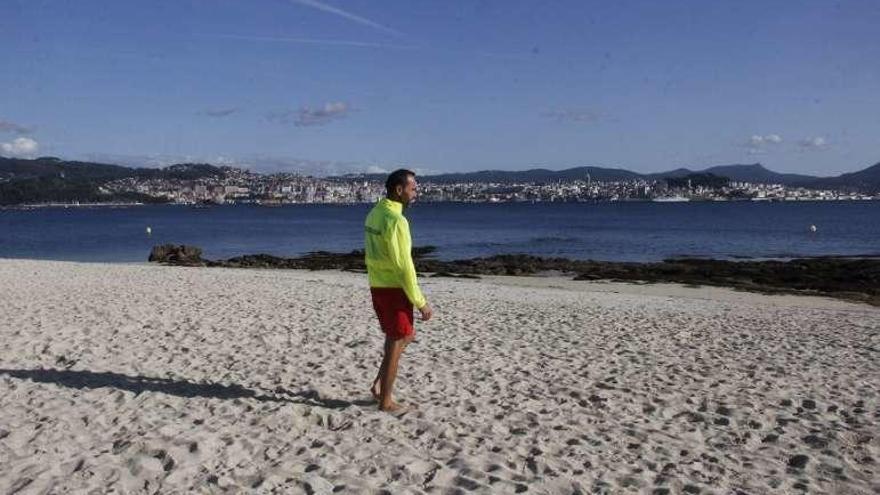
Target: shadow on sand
(180, 388)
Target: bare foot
(392, 407)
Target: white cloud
(759, 144)
(375, 169)
(757, 140)
(813, 143)
(20, 147)
(306, 116)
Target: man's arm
(401, 253)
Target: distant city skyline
(335, 86)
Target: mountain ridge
(15, 170)
(864, 180)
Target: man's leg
(393, 350)
(376, 388)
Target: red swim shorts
(394, 310)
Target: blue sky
(328, 86)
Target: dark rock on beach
(845, 278)
(318, 260)
(177, 255)
(855, 279)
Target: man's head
(401, 186)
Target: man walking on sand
(393, 285)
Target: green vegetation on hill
(52, 180)
(18, 169)
(58, 190)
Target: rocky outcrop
(177, 255)
(847, 278)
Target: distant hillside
(698, 179)
(671, 174)
(50, 179)
(18, 169)
(58, 190)
(537, 175)
(739, 173)
(755, 173)
(864, 180)
(182, 171)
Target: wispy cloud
(323, 42)
(769, 139)
(307, 116)
(323, 115)
(219, 112)
(572, 115)
(6, 126)
(306, 41)
(758, 144)
(813, 143)
(20, 147)
(346, 15)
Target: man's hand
(426, 312)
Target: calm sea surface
(604, 231)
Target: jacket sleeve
(400, 252)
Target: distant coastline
(77, 204)
(54, 181)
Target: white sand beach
(120, 378)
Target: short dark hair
(397, 178)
